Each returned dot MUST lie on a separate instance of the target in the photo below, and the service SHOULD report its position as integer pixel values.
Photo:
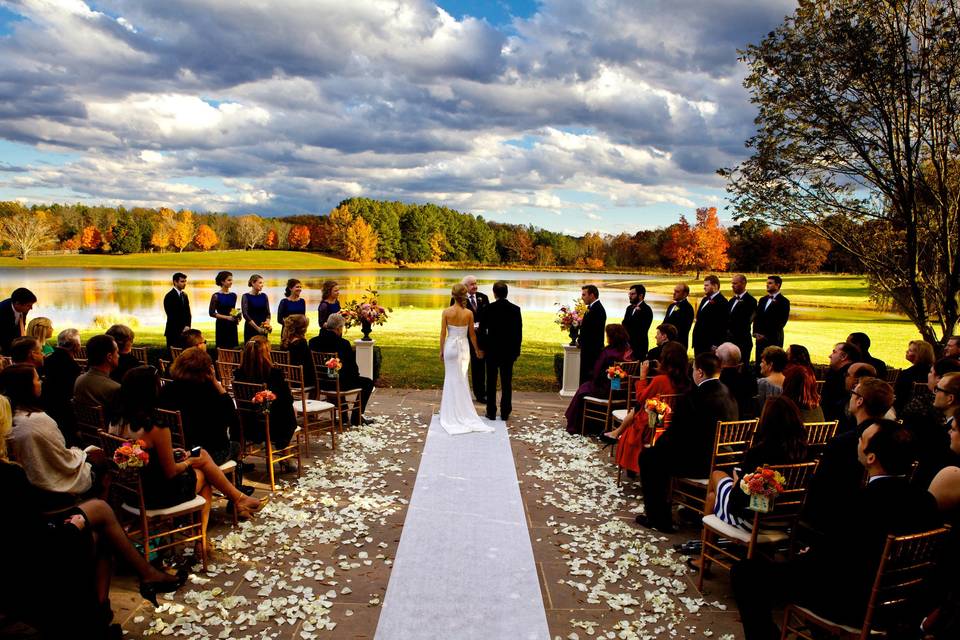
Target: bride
(457, 414)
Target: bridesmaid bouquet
(131, 455)
(265, 325)
(235, 314)
(264, 399)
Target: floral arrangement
(657, 411)
(366, 309)
(266, 326)
(763, 482)
(616, 371)
(570, 316)
(264, 399)
(131, 455)
(333, 366)
(235, 314)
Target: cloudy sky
(573, 115)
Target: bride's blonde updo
(459, 292)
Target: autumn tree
(163, 229)
(206, 238)
(27, 231)
(438, 246)
(340, 220)
(702, 247)
(360, 242)
(299, 237)
(90, 239)
(184, 230)
(858, 135)
(797, 249)
(251, 231)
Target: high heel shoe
(607, 440)
(149, 590)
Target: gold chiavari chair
(730, 444)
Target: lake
(74, 297)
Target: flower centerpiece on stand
(763, 485)
(131, 455)
(616, 375)
(365, 312)
(570, 317)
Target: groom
(500, 334)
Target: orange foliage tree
(183, 230)
(360, 243)
(206, 238)
(273, 240)
(702, 247)
(90, 239)
(299, 236)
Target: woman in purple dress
(617, 350)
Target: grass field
(258, 259)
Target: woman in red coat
(672, 379)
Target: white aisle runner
(464, 568)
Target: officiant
(476, 302)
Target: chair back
(632, 390)
(80, 356)
(171, 420)
(293, 374)
(820, 384)
(140, 353)
(252, 419)
(90, 422)
(280, 356)
(818, 434)
(175, 352)
(893, 374)
(226, 370)
(164, 366)
(921, 388)
(796, 480)
(325, 383)
(820, 371)
(904, 585)
(126, 485)
(731, 443)
(229, 355)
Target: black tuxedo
(478, 370)
(680, 315)
(739, 320)
(9, 327)
(590, 339)
(769, 322)
(177, 308)
(711, 328)
(330, 342)
(835, 577)
(685, 449)
(637, 320)
(500, 335)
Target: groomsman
(742, 307)
(500, 335)
(13, 317)
(637, 320)
(680, 313)
(176, 304)
(592, 329)
(476, 302)
(773, 310)
(711, 328)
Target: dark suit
(685, 449)
(637, 320)
(680, 315)
(835, 577)
(590, 339)
(478, 371)
(177, 307)
(500, 335)
(769, 321)
(60, 372)
(9, 327)
(330, 342)
(739, 320)
(711, 327)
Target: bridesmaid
(291, 305)
(255, 308)
(221, 304)
(330, 303)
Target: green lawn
(258, 259)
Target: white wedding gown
(457, 414)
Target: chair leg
(703, 558)
(270, 463)
(619, 471)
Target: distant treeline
(366, 230)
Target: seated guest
(60, 371)
(209, 416)
(13, 316)
(123, 336)
(862, 342)
(835, 577)
(834, 396)
(256, 366)
(773, 361)
(632, 433)
(331, 340)
(172, 475)
(839, 475)
(42, 329)
(95, 386)
(617, 350)
(665, 333)
(39, 548)
(38, 445)
(952, 348)
(920, 355)
(193, 338)
(926, 423)
(27, 350)
(734, 374)
(798, 355)
(685, 449)
(295, 341)
(800, 386)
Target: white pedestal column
(571, 370)
(365, 357)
